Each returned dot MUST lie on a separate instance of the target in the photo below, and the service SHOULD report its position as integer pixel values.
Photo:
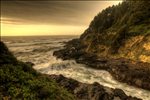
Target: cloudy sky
(47, 17)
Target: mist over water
(39, 50)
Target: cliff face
(120, 31)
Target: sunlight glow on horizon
(29, 30)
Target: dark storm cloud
(49, 12)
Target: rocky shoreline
(134, 73)
(95, 91)
(17, 73)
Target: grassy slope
(19, 80)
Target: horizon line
(35, 35)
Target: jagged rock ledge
(95, 91)
(124, 70)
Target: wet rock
(71, 50)
(95, 91)
(59, 66)
(69, 84)
(120, 94)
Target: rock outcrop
(95, 91)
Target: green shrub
(19, 80)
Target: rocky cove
(109, 61)
(124, 70)
(72, 71)
(79, 90)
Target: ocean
(39, 50)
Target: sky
(47, 17)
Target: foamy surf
(37, 50)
